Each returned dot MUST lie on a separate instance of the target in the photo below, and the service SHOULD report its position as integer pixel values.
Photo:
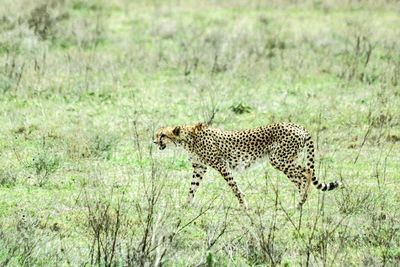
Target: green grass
(84, 85)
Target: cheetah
(226, 151)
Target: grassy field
(84, 85)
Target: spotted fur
(229, 150)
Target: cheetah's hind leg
(304, 189)
(295, 173)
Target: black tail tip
(334, 185)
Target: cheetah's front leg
(233, 185)
(198, 172)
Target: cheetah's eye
(162, 136)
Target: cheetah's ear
(200, 126)
(176, 131)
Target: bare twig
(363, 142)
(211, 114)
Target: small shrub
(90, 145)
(356, 61)
(41, 22)
(7, 178)
(102, 146)
(44, 165)
(240, 108)
(19, 247)
(105, 220)
(350, 202)
(11, 73)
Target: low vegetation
(84, 85)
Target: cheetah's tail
(310, 169)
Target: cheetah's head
(177, 134)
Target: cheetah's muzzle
(160, 144)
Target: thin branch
(363, 142)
